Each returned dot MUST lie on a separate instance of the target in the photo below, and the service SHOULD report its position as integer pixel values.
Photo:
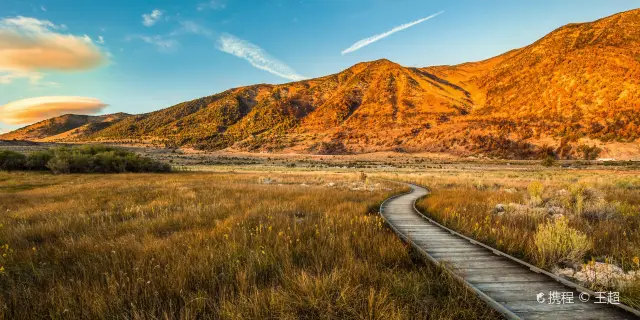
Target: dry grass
(224, 246)
(599, 210)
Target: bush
(83, 159)
(535, 192)
(10, 160)
(555, 242)
(549, 161)
(59, 165)
(38, 160)
(589, 152)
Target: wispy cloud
(212, 4)
(370, 40)
(29, 45)
(36, 109)
(169, 41)
(100, 40)
(256, 56)
(149, 19)
(191, 27)
(161, 42)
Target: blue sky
(180, 52)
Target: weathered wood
(508, 286)
(573, 314)
(489, 270)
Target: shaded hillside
(64, 128)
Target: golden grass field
(262, 245)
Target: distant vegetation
(81, 159)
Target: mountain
(580, 81)
(574, 91)
(365, 104)
(67, 127)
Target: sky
(98, 57)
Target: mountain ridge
(575, 88)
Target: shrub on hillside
(549, 161)
(11, 160)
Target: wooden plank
(488, 271)
(576, 314)
(533, 277)
(430, 245)
(434, 250)
(540, 286)
(471, 258)
(535, 306)
(482, 264)
(445, 238)
(453, 255)
(521, 295)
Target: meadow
(580, 224)
(187, 245)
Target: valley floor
(212, 245)
(258, 236)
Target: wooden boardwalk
(507, 284)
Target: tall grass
(555, 243)
(221, 246)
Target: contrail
(256, 56)
(370, 40)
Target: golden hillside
(64, 128)
(576, 89)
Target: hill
(573, 93)
(67, 127)
(580, 82)
(314, 115)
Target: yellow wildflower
(636, 261)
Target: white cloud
(31, 110)
(192, 27)
(163, 43)
(100, 40)
(169, 41)
(29, 45)
(370, 40)
(149, 19)
(256, 56)
(212, 4)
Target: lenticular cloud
(31, 110)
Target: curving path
(505, 283)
